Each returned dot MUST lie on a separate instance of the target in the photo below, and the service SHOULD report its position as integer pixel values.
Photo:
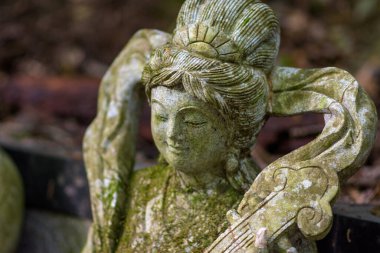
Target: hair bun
(237, 31)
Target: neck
(202, 181)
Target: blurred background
(54, 53)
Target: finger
(232, 216)
(285, 245)
(261, 241)
(291, 250)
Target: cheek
(206, 141)
(159, 134)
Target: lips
(177, 149)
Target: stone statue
(211, 86)
(11, 204)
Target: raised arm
(109, 143)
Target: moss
(162, 217)
(11, 204)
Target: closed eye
(161, 117)
(196, 123)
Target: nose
(174, 133)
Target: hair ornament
(207, 41)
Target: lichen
(163, 217)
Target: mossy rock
(11, 204)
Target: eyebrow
(192, 108)
(158, 102)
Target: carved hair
(223, 60)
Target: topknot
(236, 31)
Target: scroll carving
(317, 168)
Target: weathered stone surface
(11, 204)
(160, 208)
(211, 87)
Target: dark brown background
(53, 54)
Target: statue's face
(189, 133)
